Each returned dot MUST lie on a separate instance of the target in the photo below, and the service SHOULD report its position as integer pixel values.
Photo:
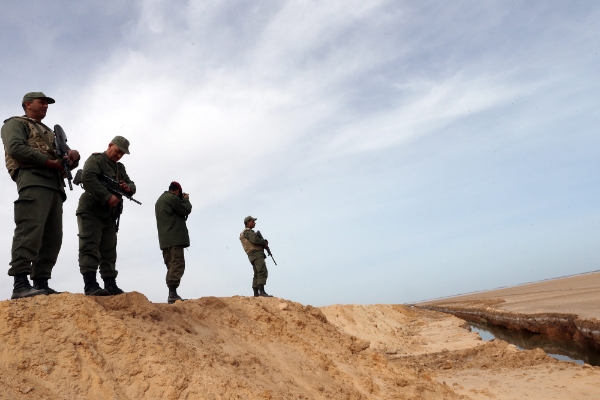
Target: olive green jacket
(15, 135)
(171, 214)
(94, 199)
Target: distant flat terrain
(579, 295)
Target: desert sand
(579, 295)
(561, 308)
(439, 346)
(70, 346)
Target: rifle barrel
(113, 185)
(60, 140)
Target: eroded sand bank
(70, 346)
(567, 307)
(439, 347)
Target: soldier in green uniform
(31, 160)
(97, 215)
(254, 247)
(172, 209)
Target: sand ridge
(71, 346)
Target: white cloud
(318, 113)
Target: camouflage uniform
(254, 248)
(38, 210)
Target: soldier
(172, 209)
(254, 247)
(97, 215)
(31, 160)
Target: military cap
(121, 143)
(37, 95)
(249, 218)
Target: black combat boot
(110, 284)
(22, 288)
(255, 292)
(92, 288)
(261, 291)
(42, 284)
(173, 296)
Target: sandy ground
(70, 346)
(579, 295)
(398, 329)
(575, 298)
(439, 347)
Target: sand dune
(70, 346)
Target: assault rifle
(60, 140)
(114, 187)
(111, 184)
(260, 236)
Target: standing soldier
(97, 215)
(254, 246)
(172, 209)
(31, 160)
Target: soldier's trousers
(175, 262)
(38, 232)
(260, 269)
(97, 244)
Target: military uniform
(254, 248)
(37, 240)
(171, 213)
(96, 220)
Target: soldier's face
(114, 153)
(36, 109)
(251, 224)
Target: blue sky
(393, 151)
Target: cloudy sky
(392, 151)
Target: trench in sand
(564, 350)
(563, 337)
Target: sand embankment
(70, 346)
(566, 307)
(438, 346)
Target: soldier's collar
(34, 121)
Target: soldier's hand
(113, 201)
(124, 186)
(54, 164)
(186, 195)
(266, 243)
(73, 156)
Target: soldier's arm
(124, 177)
(91, 180)
(251, 236)
(181, 207)
(14, 136)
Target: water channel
(564, 350)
